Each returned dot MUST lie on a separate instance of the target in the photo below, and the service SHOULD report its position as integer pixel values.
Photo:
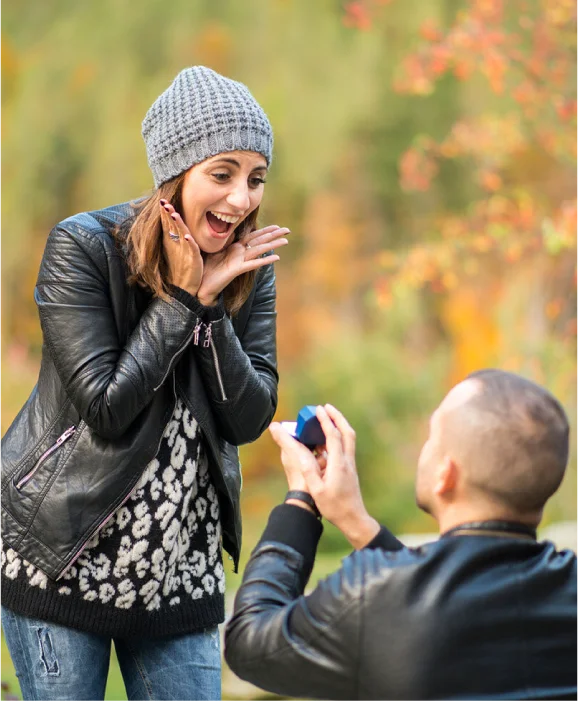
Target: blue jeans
(56, 662)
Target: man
(484, 612)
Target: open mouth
(221, 224)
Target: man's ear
(446, 478)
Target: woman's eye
(221, 177)
(255, 182)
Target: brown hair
(145, 257)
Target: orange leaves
(360, 14)
(534, 65)
(499, 231)
(559, 13)
(417, 169)
(357, 16)
(491, 11)
(494, 65)
(472, 43)
(470, 320)
(430, 31)
(565, 108)
(490, 180)
(489, 140)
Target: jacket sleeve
(240, 374)
(288, 643)
(108, 384)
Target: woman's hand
(238, 258)
(183, 256)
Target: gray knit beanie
(198, 116)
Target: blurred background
(425, 161)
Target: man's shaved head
(508, 436)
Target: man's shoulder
(376, 568)
(450, 560)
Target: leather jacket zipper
(209, 342)
(107, 518)
(37, 465)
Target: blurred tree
(519, 138)
(433, 223)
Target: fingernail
(163, 202)
(173, 216)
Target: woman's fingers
(266, 235)
(256, 251)
(263, 241)
(167, 222)
(176, 223)
(259, 263)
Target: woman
(120, 473)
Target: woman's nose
(238, 198)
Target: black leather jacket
(465, 617)
(113, 361)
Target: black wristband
(304, 497)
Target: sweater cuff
(192, 302)
(296, 527)
(384, 540)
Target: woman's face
(219, 193)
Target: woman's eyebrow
(233, 162)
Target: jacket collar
(511, 529)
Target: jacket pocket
(21, 481)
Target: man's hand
(336, 488)
(293, 456)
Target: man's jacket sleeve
(286, 642)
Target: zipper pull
(66, 435)
(196, 332)
(208, 334)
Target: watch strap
(304, 497)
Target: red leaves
(360, 14)
(357, 16)
(518, 150)
(417, 169)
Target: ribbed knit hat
(198, 116)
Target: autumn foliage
(519, 143)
